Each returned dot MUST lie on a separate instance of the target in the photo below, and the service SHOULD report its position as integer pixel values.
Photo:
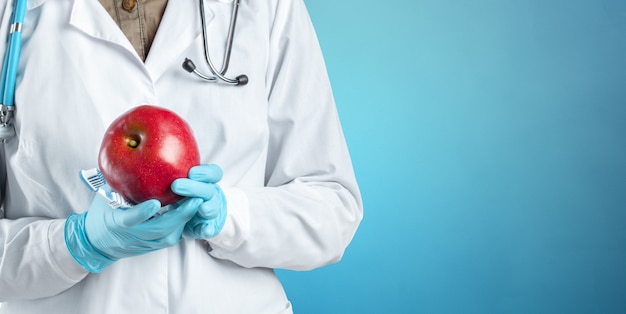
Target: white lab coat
(293, 201)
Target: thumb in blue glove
(211, 215)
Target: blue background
(489, 141)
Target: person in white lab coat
(288, 197)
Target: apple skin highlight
(144, 150)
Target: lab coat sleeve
(309, 210)
(35, 262)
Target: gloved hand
(103, 235)
(211, 215)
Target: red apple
(144, 150)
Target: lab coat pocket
(27, 193)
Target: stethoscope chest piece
(7, 130)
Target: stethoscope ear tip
(242, 80)
(188, 65)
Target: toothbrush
(94, 180)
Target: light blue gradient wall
(489, 140)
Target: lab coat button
(129, 5)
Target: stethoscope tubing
(12, 56)
(189, 66)
(229, 39)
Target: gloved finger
(192, 224)
(172, 220)
(209, 173)
(206, 230)
(188, 231)
(210, 209)
(178, 203)
(192, 188)
(129, 217)
(173, 238)
(200, 228)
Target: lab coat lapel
(91, 18)
(179, 27)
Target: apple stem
(132, 143)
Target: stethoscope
(190, 67)
(9, 72)
(12, 57)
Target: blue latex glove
(103, 235)
(211, 215)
